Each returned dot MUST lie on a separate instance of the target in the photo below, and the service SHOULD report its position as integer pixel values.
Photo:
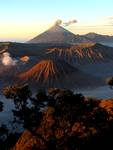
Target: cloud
(110, 20)
(7, 60)
(70, 22)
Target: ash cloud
(7, 60)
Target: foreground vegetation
(57, 119)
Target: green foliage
(29, 116)
(68, 122)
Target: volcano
(51, 73)
(78, 54)
(58, 34)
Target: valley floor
(103, 92)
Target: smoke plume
(58, 22)
(70, 22)
(7, 60)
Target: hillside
(23, 49)
(92, 59)
(80, 52)
(57, 73)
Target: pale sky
(21, 20)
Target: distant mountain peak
(58, 34)
(57, 28)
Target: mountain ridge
(99, 38)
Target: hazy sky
(21, 20)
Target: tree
(28, 115)
(69, 120)
(19, 93)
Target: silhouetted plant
(1, 106)
(91, 103)
(28, 114)
(3, 136)
(41, 95)
(68, 97)
(68, 122)
(3, 131)
(53, 91)
(98, 116)
(19, 93)
(110, 82)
